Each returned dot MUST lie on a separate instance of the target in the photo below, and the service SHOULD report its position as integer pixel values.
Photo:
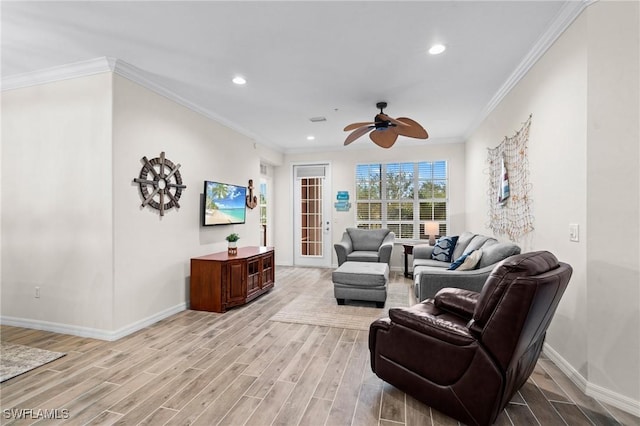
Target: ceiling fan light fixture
(384, 130)
(437, 49)
(239, 80)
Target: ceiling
(302, 59)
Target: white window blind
(401, 196)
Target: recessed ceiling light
(437, 49)
(239, 80)
(310, 137)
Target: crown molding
(126, 70)
(57, 73)
(565, 17)
(141, 77)
(569, 12)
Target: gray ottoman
(361, 281)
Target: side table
(408, 249)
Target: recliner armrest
(421, 318)
(457, 301)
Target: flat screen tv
(224, 204)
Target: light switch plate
(574, 232)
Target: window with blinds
(402, 196)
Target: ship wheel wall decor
(160, 183)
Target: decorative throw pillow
(471, 261)
(456, 263)
(444, 249)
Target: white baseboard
(565, 367)
(598, 392)
(145, 322)
(93, 333)
(615, 399)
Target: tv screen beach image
(224, 203)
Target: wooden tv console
(220, 281)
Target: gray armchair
(365, 245)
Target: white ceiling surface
(301, 59)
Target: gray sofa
(365, 245)
(431, 275)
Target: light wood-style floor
(239, 368)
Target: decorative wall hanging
(509, 188)
(252, 200)
(343, 204)
(160, 178)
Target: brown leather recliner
(466, 353)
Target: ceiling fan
(385, 130)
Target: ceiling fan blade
(356, 125)
(411, 129)
(392, 120)
(384, 138)
(357, 133)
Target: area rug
(18, 359)
(320, 308)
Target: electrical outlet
(574, 232)
(37, 293)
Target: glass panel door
(312, 216)
(311, 241)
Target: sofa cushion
(444, 249)
(430, 269)
(367, 239)
(497, 252)
(430, 262)
(471, 261)
(363, 256)
(361, 274)
(456, 263)
(461, 246)
(480, 241)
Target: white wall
(583, 158)
(72, 222)
(56, 204)
(613, 208)
(151, 254)
(343, 167)
(554, 92)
